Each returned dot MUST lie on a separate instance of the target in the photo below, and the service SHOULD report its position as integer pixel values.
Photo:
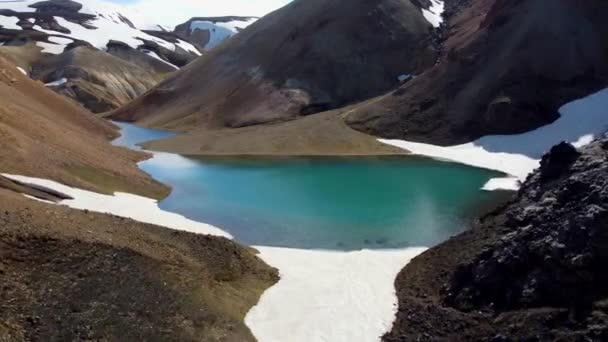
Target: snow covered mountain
(56, 24)
(90, 50)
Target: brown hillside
(44, 135)
(307, 57)
(507, 68)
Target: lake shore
(326, 287)
(519, 155)
(323, 134)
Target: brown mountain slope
(507, 67)
(96, 79)
(72, 275)
(44, 135)
(307, 57)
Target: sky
(173, 12)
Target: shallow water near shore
(342, 203)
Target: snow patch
(434, 14)
(328, 295)
(156, 56)
(506, 183)
(188, 47)
(404, 77)
(56, 46)
(124, 205)
(57, 83)
(518, 155)
(9, 23)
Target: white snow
(22, 70)
(434, 14)
(124, 205)
(109, 25)
(57, 83)
(56, 46)
(404, 77)
(187, 46)
(506, 183)
(9, 23)
(155, 55)
(321, 296)
(518, 155)
(220, 31)
(328, 296)
(107, 30)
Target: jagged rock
(557, 247)
(57, 6)
(78, 43)
(557, 161)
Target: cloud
(175, 12)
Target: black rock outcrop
(533, 270)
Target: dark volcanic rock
(557, 161)
(178, 57)
(557, 247)
(535, 268)
(57, 6)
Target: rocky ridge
(531, 270)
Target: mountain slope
(96, 79)
(119, 279)
(507, 67)
(307, 57)
(187, 287)
(75, 275)
(42, 134)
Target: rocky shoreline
(530, 270)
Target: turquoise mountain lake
(320, 203)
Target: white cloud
(174, 12)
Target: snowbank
(156, 56)
(434, 14)
(322, 295)
(57, 83)
(9, 23)
(329, 296)
(124, 205)
(581, 121)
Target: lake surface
(320, 203)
